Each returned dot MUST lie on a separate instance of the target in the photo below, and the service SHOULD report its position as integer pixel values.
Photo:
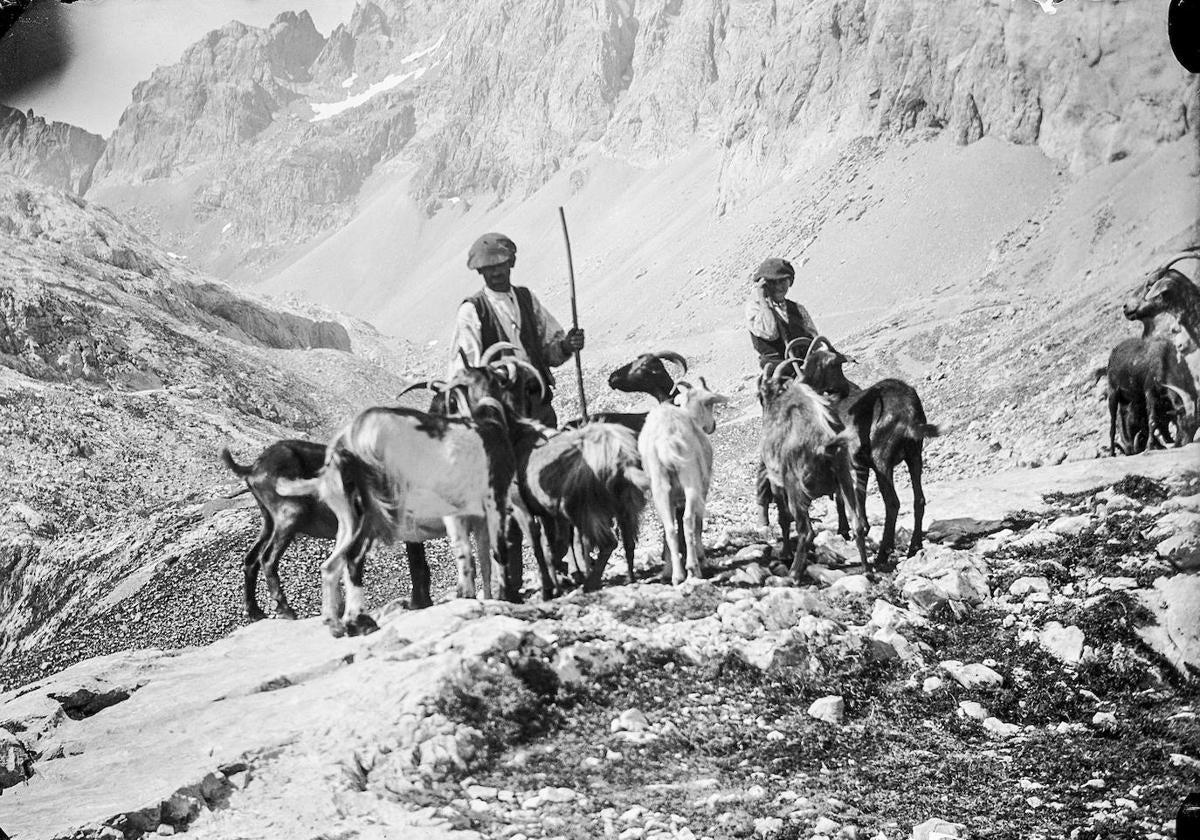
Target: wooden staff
(574, 315)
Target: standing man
(499, 312)
(773, 319)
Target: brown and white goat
(807, 453)
(578, 483)
(400, 473)
(677, 457)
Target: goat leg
(358, 621)
(460, 544)
(785, 520)
(1152, 418)
(514, 562)
(418, 573)
(914, 459)
(764, 494)
(1113, 408)
(250, 564)
(270, 568)
(804, 537)
(891, 510)
(693, 519)
(628, 543)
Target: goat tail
(928, 430)
(234, 466)
(368, 492)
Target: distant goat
(677, 457)
(1141, 371)
(807, 454)
(578, 482)
(890, 426)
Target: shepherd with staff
(501, 311)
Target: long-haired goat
(807, 454)
(677, 457)
(579, 482)
(400, 473)
(1140, 372)
(1168, 290)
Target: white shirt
(508, 317)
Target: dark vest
(490, 332)
(792, 328)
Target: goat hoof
(420, 603)
(255, 614)
(286, 613)
(363, 625)
(336, 628)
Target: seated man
(773, 319)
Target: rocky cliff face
(52, 153)
(122, 374)
(269, 135)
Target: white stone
(830, 709)
(972, 676)
(630, 720)
(1025, 585)
(931, 684)
(936, 829)
(999, 728)
(1071, 526)
(973, 710)
(768, 826)
(1064, 643)
(826, 826)
(850, 585)
(1104, 719)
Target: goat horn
(1189, 406)
(495, 350)
(462, 354)
(1192, 254)
(791, 361)
(703, 384)
(672, 356)
(424, 384)
(788, 350)
(537, 375)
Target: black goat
(890, 424)
(283, 517)
(1141, 373)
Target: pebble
(973, 710)
(768, 826)
(931, 684)
(826, 826)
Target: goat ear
(847, 360)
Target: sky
(78, 63)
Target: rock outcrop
(53, 153)
(271, 133)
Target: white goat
(677, 457)
(400, 473)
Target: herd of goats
(476, 468)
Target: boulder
(1071, 526)
(936, 574)
(961, 530)
(1175, 602)
(850, 585)
(15, 761)
(583, 660)
(823, 575)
